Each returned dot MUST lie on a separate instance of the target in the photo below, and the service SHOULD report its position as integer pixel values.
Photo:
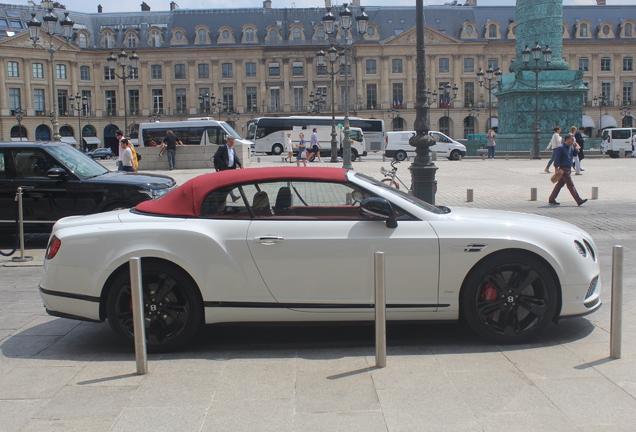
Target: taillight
(53, 247)
(386, 142)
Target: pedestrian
(563, 161)
(302, 154)
(491, 143)
(226, 158)
(289, 148)
(555, 142)
(127, 158)
(120, 137)
(315, 146)
(580, 141)
(171, 141)
(634, 145)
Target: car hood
(509, 218)
(147, 181)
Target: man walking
(120, 138)
(315, 146)
(563, 161)
(578, 136)
(226, 158)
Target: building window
(133, 102)
(109, 74)
(182, 107)
(250, 70)
(628, 92)
(60, 71)
(62, 102)
(321, 69)
(38, 101)
(469, 94)
(493, 63)
(131, 40)
(249, 35)
(38, 70)
(201, 36)
(85, 73)
(226, 70)
(299, 100)
(155, 38)
(372, 68)
(111, 102)
(398, 95)
(14, 99)
(274, 99)
(157, 101)
(606, 91)
(396, 66)
(296, 34)
(273, 35)
(444, 65)
(469, 64)
(228, 98)
(584, 64)
(225, 35)
(298, 69)
(250, 99)
(274, 69)
(83, 40)
(13, 69)
(583, 30)
(204, 102)
(628, 63)
(204, 70)
(372, 96)
(320, 34)
(108, 41)
(180, 71)
(628, 30)
(606, 64)
(492, 30)
(87, 109)
(156, 72)
(178, 36)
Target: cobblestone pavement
(63, 375)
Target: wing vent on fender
(475, 247)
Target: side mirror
(56, 174)
(379, 208)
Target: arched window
(320, 34)
(19, 132)
(43, 133)
(202, 36)
(66, 131)
(155, 38)
(89, 131)
(628, 30)
(583, 31)
(273, 35)
(627, 122)
(131, 40)
(444, 125)
(469, 126)
(296, 34)
(492, 30)
(108, 41)
(249, 35)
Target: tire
(509, 298)
(391, 183)
(172, 307)
(107, 157)
(400, 155)
(613, 155)
(454, 155)
(277, 149)
(354, 155)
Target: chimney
(267, 4)
(600, 2)
(145, 7)
(99, 8)
(173, 6)
(470, 3)
(327, 3)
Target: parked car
(228, 246)
(59, 181)
(397, 145)
(101, 153)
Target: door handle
(268, 239)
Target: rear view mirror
(379, 208)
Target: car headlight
(157, 193)
(580, 248)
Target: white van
(397, 145)
(358, 145)
(613, 140)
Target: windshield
(230, 130)
(356, 135)
(82, 166)
(251, 131)
(410, 198)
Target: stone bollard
(533, 194)
(469, 195)
(383, 158)
(433, 155)
(483, 157)
(258, 160)
(507, 156)
(594, 192)
(621, 153)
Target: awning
(587, 122)
(69, 140)
(19, 139)
(607, 121)
(91, 140)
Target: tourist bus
(190, 132)
(265, 131)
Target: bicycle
(391, 177)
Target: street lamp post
(490, 74)
(19, 115)
(448, 99)
(204, 102)
(82, 103)
(317, 102)
(626, 111)
(50, 22)
(125, 75)
(154, 117)
(536, 56)
(333, 56)
(393, 114)
(473, 113)
(329, 21)
(600, 101)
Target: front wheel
(454, 155)
(509, 298)
(400, 155)
(172, 307)
(390, 182)
(277, 149)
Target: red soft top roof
(186, 199)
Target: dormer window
(492, 31)
(584, 30)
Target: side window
(32, 163)
(3, 164)
(224, 203)
(216, 135)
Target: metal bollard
(141, 355)
(21, 258)
(507, 156)
(258, 159)
(533, 194)
(621, 153)
(469, 195)
(616, 325)
(383, 158)
(594, 192)
(380, 310)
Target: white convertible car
(297, 244)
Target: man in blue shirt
(563, 161)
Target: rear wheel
(390, 182)
(172, 307)
(509, 298)
(400, 155)
(277, 149)
(354, 155)
(454, 155)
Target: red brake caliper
(489, 294)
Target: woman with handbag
(555, 142)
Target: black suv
(58, 181)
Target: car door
(441, 144)
(315, 251)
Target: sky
(163, 5)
